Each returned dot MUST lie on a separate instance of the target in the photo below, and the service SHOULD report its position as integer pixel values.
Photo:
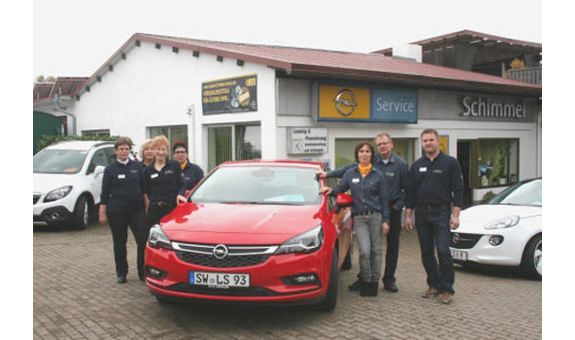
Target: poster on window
(230, 95)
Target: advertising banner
(238, 94)
(343, 103)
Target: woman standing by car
(370, 212)
(163, 184)
(122, 205)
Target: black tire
(531, 264)
(331, 296)
(81, 215)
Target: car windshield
(59, 161)
(526, 193)
(260, 185)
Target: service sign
(394, 106)
(307, 140)
(238, 94)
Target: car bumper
(52, 216)
(508, 253)
(266, 285)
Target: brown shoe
(446, 298)
(430, 292)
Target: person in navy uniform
(394, 169)
(435, 183)
(122, 205)
(146, 153)
(370, 212)
(191, 173)
(163, 184)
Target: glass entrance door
(219, 145)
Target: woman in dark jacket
(122, 205)
(163, 184)
(370, 212)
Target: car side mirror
(98, 170)
(343, 201)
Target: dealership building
(233, 101)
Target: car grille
(36, 198)
(235, 256)
(232, 291)
(464, 241)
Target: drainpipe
(59, 109)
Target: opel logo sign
(456, 238)
(345, 102)
(220, 252)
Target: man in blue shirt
(394, 169)
(435, 183)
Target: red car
(253, 231)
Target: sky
(74, 38)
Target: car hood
(45, 183)
(474, 219)
(239, 223)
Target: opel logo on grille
(456, 238)
(345, 102)
(220, 252)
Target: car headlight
(158, 238)
(307, 242)
(57, 194)
(504, 222)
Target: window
(96, 132)
(498, 161)
(235, 142)
(344, 150)
(100, 157)
(176, 133)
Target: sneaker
(446, 298)
(430, 292)
(390, 287)
(356, 285)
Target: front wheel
(81, 213)
(331, 297)
(532, 262)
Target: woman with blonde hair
(163, 184)
(146, 153)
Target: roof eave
(530, 90)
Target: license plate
(459, 255)
(219, 280)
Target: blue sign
(394, 106)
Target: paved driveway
(76, 296)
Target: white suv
(68, 181)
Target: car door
(102, 157)
(342, 221)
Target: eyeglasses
(179, 152)
(382, 143)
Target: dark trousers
(433, 231)
(119, 223)
(155, 214)
(392, 245)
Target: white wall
(155, 88)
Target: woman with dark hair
(191, 173)
(122, 205)
(370, 211)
